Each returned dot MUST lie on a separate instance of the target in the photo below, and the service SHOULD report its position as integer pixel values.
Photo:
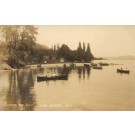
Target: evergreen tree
(88, 54)
(57, 51)
(83, 50)
(84, 47)
(80, 52)
(54, 49)
(58, 47)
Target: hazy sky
(104, 40)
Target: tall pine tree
(88, 54)
(80, 52)
(84, 51)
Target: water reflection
(20, 95)
(19, 89)
(40, 70)
(83, 72)
(12, 94)
(88, 72)
(26, 84)
(58, 70)
(79, 71)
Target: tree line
(20, 43)
(21, 46)
(22, 49)
(81, 54)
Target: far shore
(60, 64)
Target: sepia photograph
(67, 67)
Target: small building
(45, 62)
(62, 60)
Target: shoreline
(5, 66)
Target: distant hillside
(42, 46)
(3, 50)
(127, 57)
(2, 45)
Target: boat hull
(57, 77)
(97, 67)
(123, 71)
(104, 64)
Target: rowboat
(87, 65)
(97, 67)
(103, 64)
(123, 71)
(56, 77)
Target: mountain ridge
(126, 57)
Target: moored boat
(103, 64)
(94, 64)
(56, 77)
(97, 67)
(87, 65)
(123, 71)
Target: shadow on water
(40, 70)
(59, 70)
(83, 72)
(122, 74)
(20, 95)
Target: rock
(5, 67)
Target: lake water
(85, 89)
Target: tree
(80, 52)
(84, 47)
(20, 41)
(54, 49)
(58, 47)
(88, 54)
(28, 42)
(65, 52)
(83, 50)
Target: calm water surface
(85, 89)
